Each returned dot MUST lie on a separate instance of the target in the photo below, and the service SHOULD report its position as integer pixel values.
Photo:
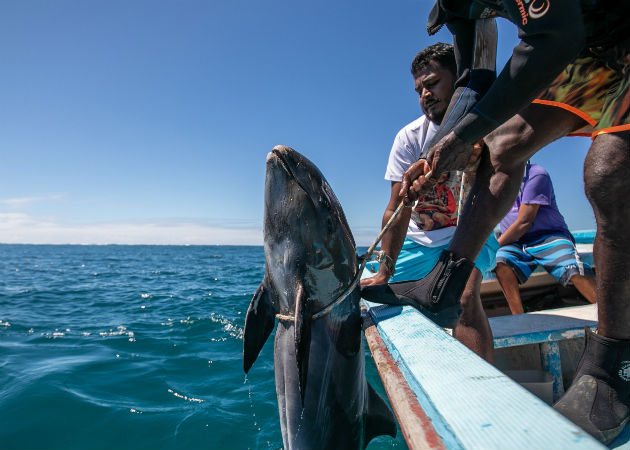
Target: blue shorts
(557, 254)
(415, 261)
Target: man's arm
(547, 45)
(524, 221)
(475, 43)
(550, 39)
(392, 240)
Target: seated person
(417, 237)
(534, 233)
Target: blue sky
(149, 121)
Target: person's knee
(502, 269)
(501, 266)
(427, 222)
(607, 177)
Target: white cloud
(25, 229)
(21, 228)
(19, 202)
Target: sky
(148, 122)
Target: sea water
(135, 347)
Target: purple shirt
(536, 189)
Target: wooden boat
(446, 397)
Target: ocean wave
(132, 347)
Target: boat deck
(547, 329)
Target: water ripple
(135, 347)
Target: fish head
(309, 248)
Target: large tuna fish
(310, 286)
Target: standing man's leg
(498, 179)
(607, 185)
(599, 398)
(473, 329)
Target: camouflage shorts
(597, 92)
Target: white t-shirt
(406, 150)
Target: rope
(386, 228)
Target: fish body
(310, 288)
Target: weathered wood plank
(471, 404)
(415, 425)
(542, 326)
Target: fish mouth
(280, 152)
(290, 158)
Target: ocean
(135, 347)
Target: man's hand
(380, 278)
(451, 153)
(414, 180)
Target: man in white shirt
(418, 236)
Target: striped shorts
(556, 254)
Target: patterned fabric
(594, 91)
(616, 115)
(556, 254)
(438, 207)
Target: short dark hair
(440, 52)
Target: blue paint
(623, 440)
(550, 359)
(538, 338)
(471, 404)
(440, 425)
(584, 236)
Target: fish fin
(379, 419)
(303, 320)
(259, 322)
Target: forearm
(393, 240)
(547, 46)
(475, 44)
(520, 83)
(514, 232)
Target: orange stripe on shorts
(615, 129)
(581, 114)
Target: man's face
(434, 85)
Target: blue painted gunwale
(470, 403)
